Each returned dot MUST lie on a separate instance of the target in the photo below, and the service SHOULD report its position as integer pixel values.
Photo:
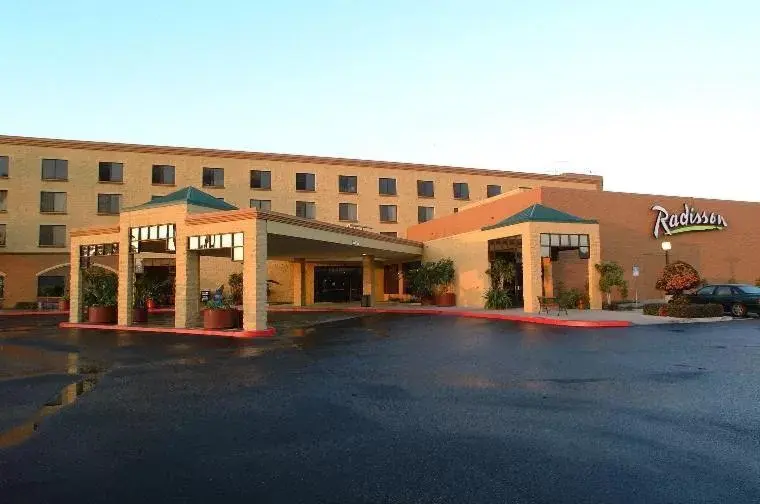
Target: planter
(150, 304)
(226, 318)
(101, 314)
(446, 299)
(581, 305)
(63, 305)
(139, 315)
(427, 300)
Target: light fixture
(666, 246)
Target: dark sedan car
(739, 299)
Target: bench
(551, 303)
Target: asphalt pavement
(382, 409)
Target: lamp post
(666, 246)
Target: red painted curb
(270, 331)
(466, 314)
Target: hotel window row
(109, 171)
(348, 212)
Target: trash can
(366, 300)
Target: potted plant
(443, 278)
(100, 290)
(64, 303)
(142, 291)
(220, 313)
(421, 283)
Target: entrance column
(548, 274)
(299, 282)
(595, 257)
(126, 280)
(75, 283)
(532, 285)
(368, 277)
(187, 283)
(255, 276)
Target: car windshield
(749, 289)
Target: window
(261, 204)
(723, 290)
(2, 286)
(492, 190)
(110, 172)
(163, 174)
(551, 244)
(52, 202)
(424, 213)
(51, 286)
(388, 213)
(347, 183)
(456, 210)
(109, 204)
(261, 179)
(744, 289)
(461, 190)
(305, 182)
(154, 197)
(55, 169)
(52, 236)
(3, 200)
(2, 235)
(392, 234)
(306, 209)
(425, 188)
(706, 291)
(387, 186)
(4, 168)
(213, 177)
(347, 212)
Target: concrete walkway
(574, 318)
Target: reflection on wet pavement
(66, 397)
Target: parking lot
(382, 408)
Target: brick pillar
(401, 280)
(595, 257)
(299, 282)
(126, 280)
(368, 277)
(255, 277)
(187, 286)
(75, 284)
(531, 253)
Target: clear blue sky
(656, 96)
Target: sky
(659, 97)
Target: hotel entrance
(337, 284)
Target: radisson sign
(689, 220)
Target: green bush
(684, 310)
(100, 287)
(497, 299)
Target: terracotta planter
(446, 299)
(101, 314)
(150, 304)
(581, 305)
(220, 319)
(63, 305)
(139, 315)
(427, 300)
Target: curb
(269, 332)
(468, 314)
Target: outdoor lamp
(666, 246)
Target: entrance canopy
(189, 223)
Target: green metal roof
(539, 213)
(188, 196)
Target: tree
(235, 282)
(611, 275)
(678, 277)
(502, 273)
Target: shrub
(684, 310)
(235, 281)
(497, 299)
(678, 277)
(653, 308)
(611, 275)
(100, 287)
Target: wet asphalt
(382, 409)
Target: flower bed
(684, 310)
